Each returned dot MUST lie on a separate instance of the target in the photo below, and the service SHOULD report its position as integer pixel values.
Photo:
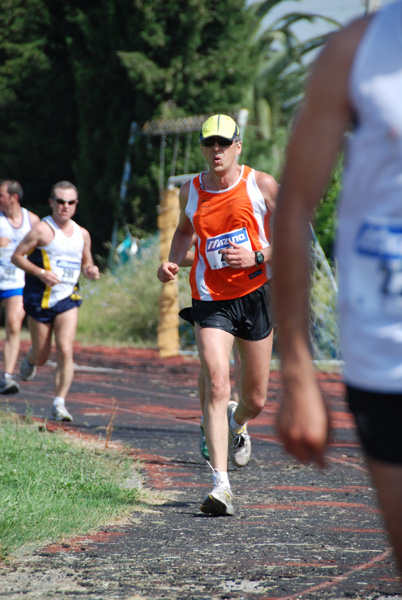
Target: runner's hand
(48, 277)
(91, 272)
(167, 271)
(4, 242)
(303, 424)
(238, 257)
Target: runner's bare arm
(40, 235)
(190, 254)
(268, 188)
(181, 242)
(303, 422)
(34, 219)
(89, 269)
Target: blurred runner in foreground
(357, 81)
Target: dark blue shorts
(249, 317)
(47, 315)
(8, 293)
(378, 419)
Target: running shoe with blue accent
(203, 444)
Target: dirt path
(297, 532)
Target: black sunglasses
(210, 141)
(63, 202)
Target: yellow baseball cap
(219, 126)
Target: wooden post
(168, 327)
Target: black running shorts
(249, 317)
(378, 419)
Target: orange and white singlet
(238, 214)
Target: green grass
(53, 485)
(121, 308)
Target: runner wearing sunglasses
(53, 254)
(228, 208)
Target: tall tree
(74, 75)
(192, 57)
(36, 107)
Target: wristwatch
(259, 257)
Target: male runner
(229, 209)
(15, 222)
(58, 250)
(357, 81)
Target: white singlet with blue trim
(369, 244)
(12, 278)
(63, 256)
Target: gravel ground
(297, 532)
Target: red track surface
(301, 532)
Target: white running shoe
(60, 413)
(27, 371)
(239, 443)
(9, 386)
(218, 502)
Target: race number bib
(8, 271)
(215, 244)
(67, 271)
(376, 266)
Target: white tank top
(369, 244)
(63, 256)
(12, 278)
